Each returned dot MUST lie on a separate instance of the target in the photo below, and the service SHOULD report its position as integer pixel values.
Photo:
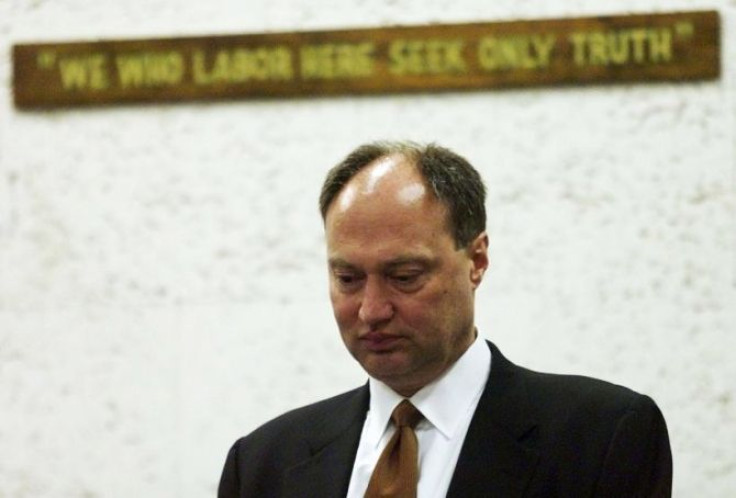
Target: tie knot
(406, 414)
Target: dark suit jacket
(532, 435)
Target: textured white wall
(162, 288)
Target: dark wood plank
(630, 48)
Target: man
(407, 248)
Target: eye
(346, 280)
(408, 280)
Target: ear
(478, 254)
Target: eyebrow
(408, 260)
(339, 263)
(394, 263)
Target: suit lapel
(332, 448)
(496, 458)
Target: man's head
(406, 243)
(451, 178)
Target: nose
(375, 305)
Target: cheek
(434, 309)
(418, 312)
(344, 309)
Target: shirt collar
(442, 402)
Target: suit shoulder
(586, 394)
(597, 438)
(256, 463)
(309, 418)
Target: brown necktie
(397, 471)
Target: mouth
(378, 342)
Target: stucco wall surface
(162, 280)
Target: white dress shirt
(447, 404)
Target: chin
(382, 371)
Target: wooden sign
(648, 47)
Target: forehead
(391, 179)
(386, 202)
(388, 175)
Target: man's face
(402, 294)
